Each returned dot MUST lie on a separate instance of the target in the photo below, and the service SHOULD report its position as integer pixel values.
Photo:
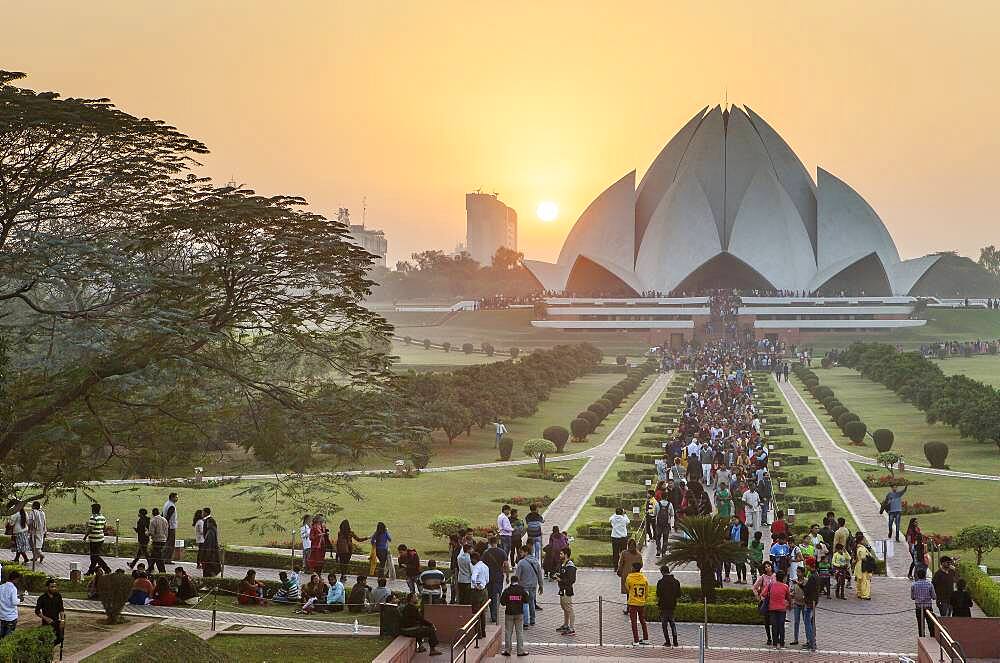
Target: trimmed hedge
(937, 454)
(883, 438)
(856, 431)
(28, 645)
(984, 591)
(846, 418)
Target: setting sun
(547, 211)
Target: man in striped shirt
(95, 539)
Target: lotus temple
(728, 204)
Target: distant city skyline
(412, 105)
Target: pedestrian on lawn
(344, 547)
(211, 562)
(170, 513)
(141, 530)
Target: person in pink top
(759, 587)
(778, 599)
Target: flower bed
(559, 476)
(195, 484)
(520, 500)
(919, 508)
(888, 480)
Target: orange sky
(414, 103)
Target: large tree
(147, 314)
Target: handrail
(464, 632)
(953, 646)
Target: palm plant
(705, 541)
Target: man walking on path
(893, 504)
(158, 528)
(638, 590)
(513, 599)
(944, 585)
(566, 579)
(95, 540)
(170, 513)
(37, 529)
(529, 574)
(667, 591)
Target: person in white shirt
(170, 513)
(199, 533)
(478, 588)
(504, 528)
(751, 501)
(38, 528)
(9, 602)
(501, 431)
(304, 535)
(694, 449)
(619, 534)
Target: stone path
(860, 501)
(564, 510)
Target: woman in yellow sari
(865, 561)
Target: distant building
(489, 225)
(372, 241)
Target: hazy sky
(412, 104)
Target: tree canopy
(148, 314)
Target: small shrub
(580, 428)
(836, 411)
(826, 362)
(488, 349)
(446, 346)
(28, 645)
(883, 439)
(810, 383)
(467, 348)
(444, 526)
(113, 589)
(539, 448)
(919, 508)
(847, 418)
(407, 340)
(606, 404)
(420, 460)
(937, 454)
(822, 392)
(506, 448)
(856, 430)
(980, 538)
(514, 352)
(984, 591)
(621, 360)
(558, 435)
(427, 344)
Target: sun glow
(547, 211)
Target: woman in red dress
(319, 539)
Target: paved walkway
(860, 501)
(567, 506)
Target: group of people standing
(27, 530)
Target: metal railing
(947, 643)
(469, 634)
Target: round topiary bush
(847, 418)
(616, 392)
(836, 411)
(822, 392)
(599, 410)
(883, 438)
(580, 429)
(557, 435)
(856, 431)
(826, 362)
(591, 418)
(937, 454)
(810, 383)
(446, 346)
(427, 344)
(488, 349)
(514, 352)
(420, 460)
(621, 360)
(407, 340)
(606, 404)
(832, 403)
(826, 402)
(467, 348)
(506, 448)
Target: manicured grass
(879, 407)
(405, 505)
(416, 357)
(159, 643)
(985, 368)
(965, 502)
(942, 325)
(278, 649)
(229, 604)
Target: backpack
(868, 564)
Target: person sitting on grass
(380, 594)
(250, 591)
(336, 596)
(142, 590)
(412, 624)
(289, 591)
(164, 595)
(183, 586)
(314, 594)
(357, 600)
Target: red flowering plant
(918, 508)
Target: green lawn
(229, 604)
(985, 368)
(170, 644)
(879, 407)
(405, 505)
(965, 502)
(416, 357)
(942, 325)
